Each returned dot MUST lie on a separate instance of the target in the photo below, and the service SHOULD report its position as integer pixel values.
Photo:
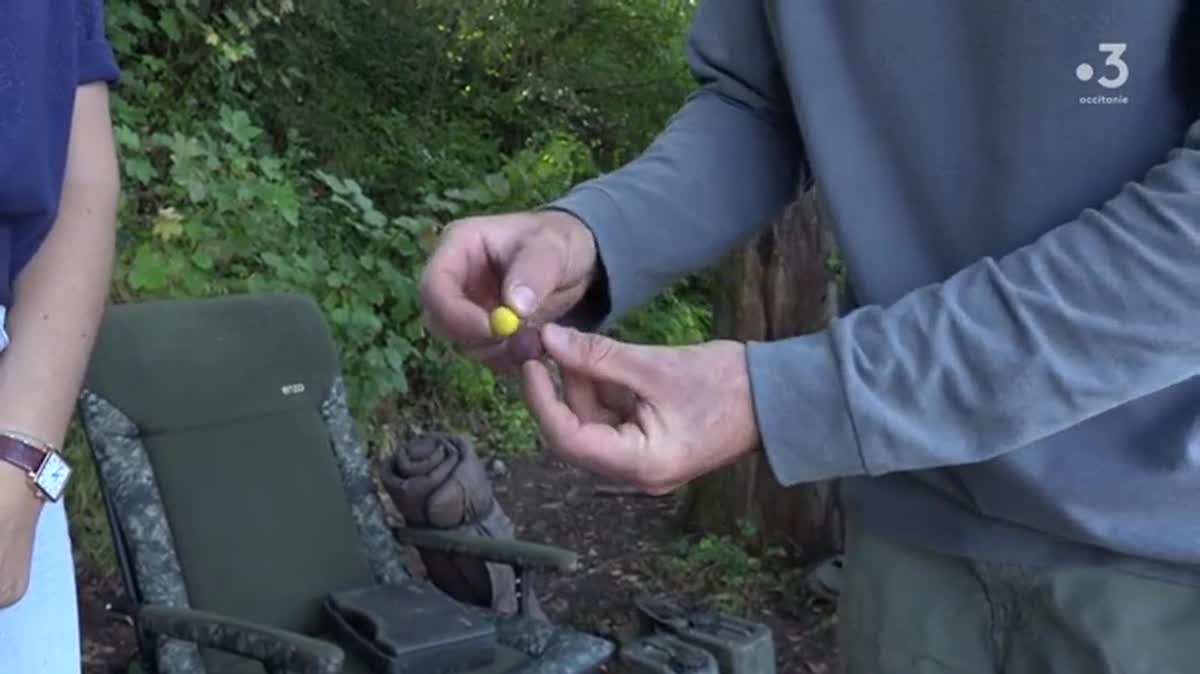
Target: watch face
(52, 478)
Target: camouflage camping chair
(240, 501)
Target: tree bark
(778, 286)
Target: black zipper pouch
(410, 628)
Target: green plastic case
(739, 646)
(666, 654)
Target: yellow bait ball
(504, 322)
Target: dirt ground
(629, 546)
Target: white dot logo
(1116, 69)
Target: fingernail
(523, 299)
(554, 337)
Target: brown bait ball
(526, 344)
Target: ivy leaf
(237, 124)
(271, 167)
(126, 137)
(415, 331)
(467, 196)
(363, 316)
(353, 188)
(410, 224)
(334, 183)
(437, 203)
(183, 148)
(374, 358)
(289, 210)
(498, 185)
(397, 353)
(168, 224)
(148, 271)
(170, 25)
(400, 382)
(202, 260)
(197, 190)
(139, 169)
(374, 218)
(363, 202)
(281, 198)
(273, 260)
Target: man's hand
(19, 510)
(653, 417)
(539, 264)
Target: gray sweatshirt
(1015, 186)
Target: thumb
(534, 273)
(600, 357)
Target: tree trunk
(779, 285)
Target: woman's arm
(59, 299)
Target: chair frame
(305, 654)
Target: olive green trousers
(907, 611)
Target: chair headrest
(177, 364)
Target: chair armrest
(278, 650)
(503, 551)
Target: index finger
(449, 312)
(599, 447)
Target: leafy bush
(320, 147)
(264, 146)
(679, 315)
(720, 563)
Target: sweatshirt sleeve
(727, 163)
(1100, 311)
(97, 63)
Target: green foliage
(493, 414)
(85, 506)
(443, 90)
(836, 265)
(326, 165)
(720, 563)
(320, 147)
(223, 216)
(678, 316)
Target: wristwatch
(46, 469)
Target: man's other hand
(653, 417)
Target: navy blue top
(47, 49)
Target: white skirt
(40, 633)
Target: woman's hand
(19, 510)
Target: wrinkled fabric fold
(437, 481)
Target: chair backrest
(229, 460)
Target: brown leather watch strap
(20, 454)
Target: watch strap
(21, 454)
